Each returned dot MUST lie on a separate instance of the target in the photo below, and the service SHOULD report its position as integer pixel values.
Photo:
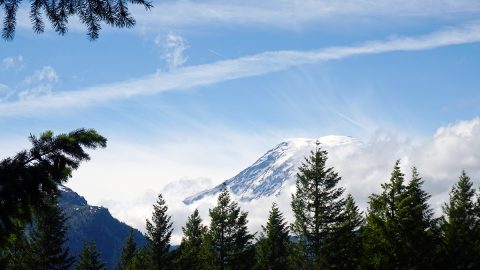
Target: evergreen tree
(89, 258)
(318, 209)
(419, 229)
(128, 253)
(142, 260)
(401, 232)
(346, 249)
(460, 227)
(13, 257)
(159, 231)
(207, 254)
(28, 178)
(229, 234)
(189, 250)
(272, 248)
(92, 13)
(47, 239)
(382, 233)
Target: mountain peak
(270, 172)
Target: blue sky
(200, 89)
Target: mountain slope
(274, 170)
(93, 223)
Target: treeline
(398, 231)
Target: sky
(198, 90)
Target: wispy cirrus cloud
(283, 14)
(247, 66)
(295, 13)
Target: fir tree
(272, 248)
(142, 260)
(460, 227)
(128, 253)
(400, 232)
(92, 13)
(207, 254)
(229, 234)
(14, 256)
(346, 249)
(382, 233)
(89, 258)
(189, 250)
(318, 208)
(419, 229)
(159, 231)
(47, 239)
(28, 178)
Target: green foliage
(318, 209)
(89, 258)
(460, 227)
(90, 12)
(207, 255)
(400, 232)
(47, 239)
(158, 235)
(128, 253)
(31, 176)
(13, 256)
(346, 248)
(273, 246)
(141, 261)
(189, 250)
(229, 236)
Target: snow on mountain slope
(274, 170)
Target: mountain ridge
(268, 175)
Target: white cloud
(174, 47)
(5, 92)
(13, 63)
(39, 84)
(294, 14)
(45, 74)
(284, 14)
(253, 65)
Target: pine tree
(419, 229)
(229, 234)
(460, 228)
(159, 231)
(47, 239)
(346, 249)
(318, 207)
(14, 256)
(382, 233)
(89, 258)
(189, 250)
(28, 178)
(128, 252)
(142, 260)
(401, 232)
(92, 13)
(273, 246)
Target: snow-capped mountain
(275, 170)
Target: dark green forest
(399, 229)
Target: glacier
(274, 171)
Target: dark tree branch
(92, 13)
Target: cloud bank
(248, 66)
